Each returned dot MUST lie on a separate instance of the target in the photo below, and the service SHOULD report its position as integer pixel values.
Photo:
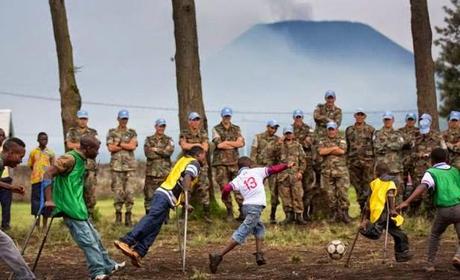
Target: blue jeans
(251, 224)
(145, 232)
(87, 238)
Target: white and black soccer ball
(336, 249)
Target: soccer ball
(336, 249)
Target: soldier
(360, 155)
(121, 142)
(334, 172)
(304, 135)
(263, 153)
(72, 142)
(425, 142)
(289, 182)
(325, 113)
(388, 145)
(452, 138)
(409, 132)
(195, 135)
(158, 149)
(228, 139)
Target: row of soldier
(326, 162)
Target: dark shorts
(35, 201)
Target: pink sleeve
(277, 168)
(226, 191)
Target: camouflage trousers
(309, 186)
(361, 174)
(400, 188)
(150, 186)
(90, 190)
(200, 192)
(123, 189)
(271, 183)
(423, 205)
(455, 160)
(335, 188)
(223, 174)
(291, 193)
(408, 170)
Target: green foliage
(448, 63)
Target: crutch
(184, 245)
(179, 231)
(347, 263)
(386, 234)
(42, 245)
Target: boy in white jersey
(249, 183)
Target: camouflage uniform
(334, 176)
(452, 139)
(123, 166)
(225, 162)
(158, 164)
(303, 135)
(323, 115)
(263, 153)
(74, 135)
(360, 158)
(409, 134)
(388, 145)
(289, 188)
(202, 188)
(424, 144)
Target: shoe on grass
(214, 261)
(118, 266)
(260, 260)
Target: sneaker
(101, 277)
(260, 260)
(429, 268)
(456, 262)
(403, 257)
(129, 252)
(214, 261)
(118, 267)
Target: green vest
(68, 191)
(447, 186)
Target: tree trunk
(424, 65)
(188, 75)
(70, 96)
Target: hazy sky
(124, 49)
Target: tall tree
(424, 65)
(188, 77)
(448, 63)
(70, 96)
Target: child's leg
(401, 245)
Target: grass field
(293, 252)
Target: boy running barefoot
(249, 183)
(444, 181)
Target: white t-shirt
(428, 179)
(250, 183)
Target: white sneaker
(118, 267)
(101, 277)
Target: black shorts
(35, 201)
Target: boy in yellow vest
(380, 201)
(183, 176)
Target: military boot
(299, 219)
(307, 213)
(273, 216)
(346, 219)
(118, 218)
(207, 214)
(289, 218)
(128, 221)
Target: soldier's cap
(123, 114)
(359, 110)
(297, 113)
(331, 125)
(388, 115)
(288, 129)
(412, 116)
(424, 126)
(426, 116)
(273, 123)
(193, 116)
(226, 112)
(329, 93)
(82, 114)
(454, 115)
(160, 122)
